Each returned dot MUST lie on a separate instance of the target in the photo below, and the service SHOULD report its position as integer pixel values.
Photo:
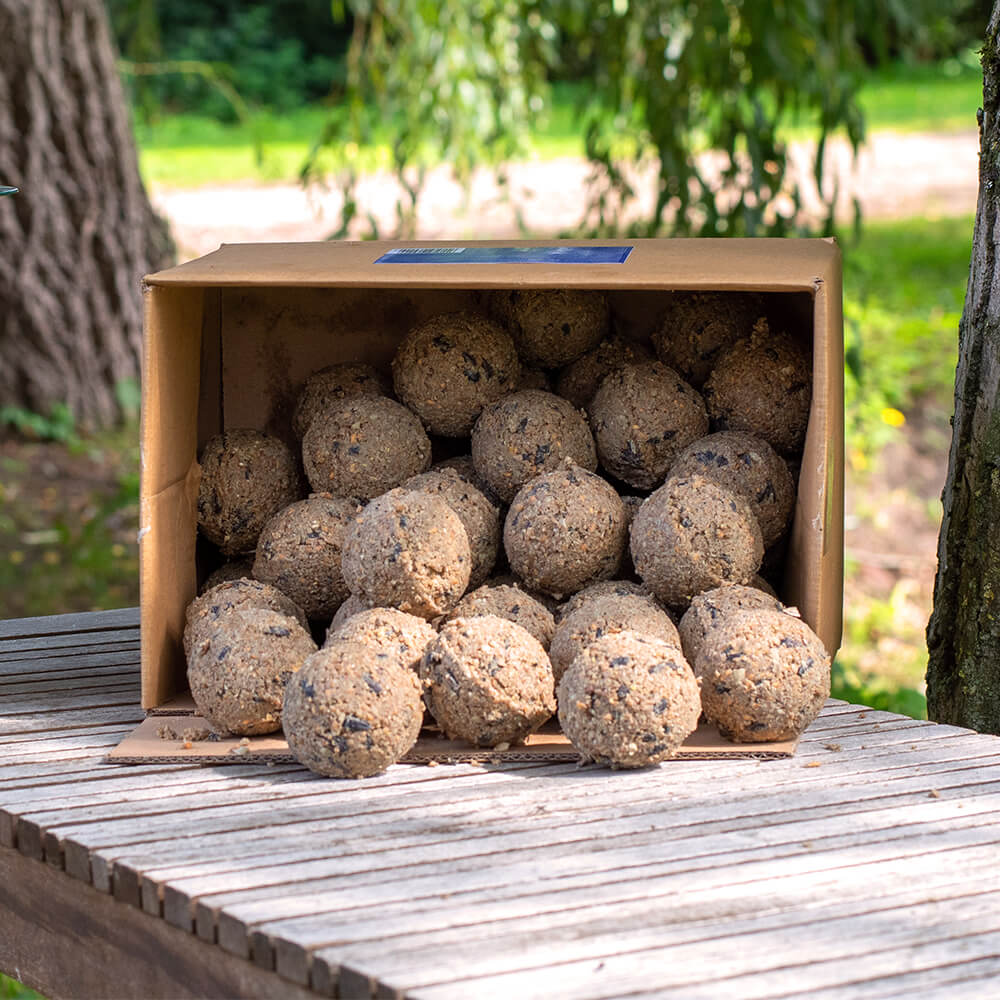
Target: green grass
(11, 989)
(187, 150)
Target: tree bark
(963, 636)
(76, 240)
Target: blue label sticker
(506, 255)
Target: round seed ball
(628, 700)
(605, 588)
(451, 366)
(698, 326)
(748, 465)
(389, 631)
(552, 327)
(362, 446)
(354, 605)
(233, 569)
(762, 385)
(351, 711)
(350, 378)
(487, 681)
(526, 434)
(511, 603)
(243, 594)
(579, 380)
(764, 676)
(565, 529)
(299, 552)
(714, 608)
(692, 535)
(608, 616)
(246, 476)
(408, 551)
(643, 416)
(479, 517)
(238, 671)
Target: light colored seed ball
(508, 602)
(351, 712)
(389, 631)
(451, 366)
(340, 381)
(763, 385)
(692, 535)
(697, 327)
(362, 446)
(242, 593)
(479, 517)
(353, 605)
(564, 530)
(510, 580)
(232, 569)
(605, 588)
(643, 416)
(764, 676)
(608, 616)
(628, 700)
(246, 476)
(714, 608)
(552, 327)
(238, 670)
(748, 465)
(408, 551)
(578, 381)
(528, 433)
(487, 681)
(299, 552)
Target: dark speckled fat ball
(552, 327)
(363, 446)
(526, 434)
(748, 465)
(512, 603)
(692, 535)
(451, 366)
(763, 385)
(712, 609)
(628, 700)
(387, 630)
(351, 712)
(246, 476)
(299, 552)
(564, 530)
(697, 327)
(643, 416)
(579, 380)
(350, 378)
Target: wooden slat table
(865, 866)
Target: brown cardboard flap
(161, 738)
(778, 265)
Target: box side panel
(814, 577)
(169, 482)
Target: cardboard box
(230, 337)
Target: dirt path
(896, 175)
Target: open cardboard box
(229, 338)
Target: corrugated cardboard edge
(145, 745)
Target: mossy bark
(76, 240)
(963, 636)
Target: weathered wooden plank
(66, 647)
(87, 621)
(66, 939)
(700, 960)
(97, 679)
(461, 920)
(48, 722)
(31, 704)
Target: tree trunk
(963, 636)
(76, 240)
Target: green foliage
(59, 425)
(11, 989)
